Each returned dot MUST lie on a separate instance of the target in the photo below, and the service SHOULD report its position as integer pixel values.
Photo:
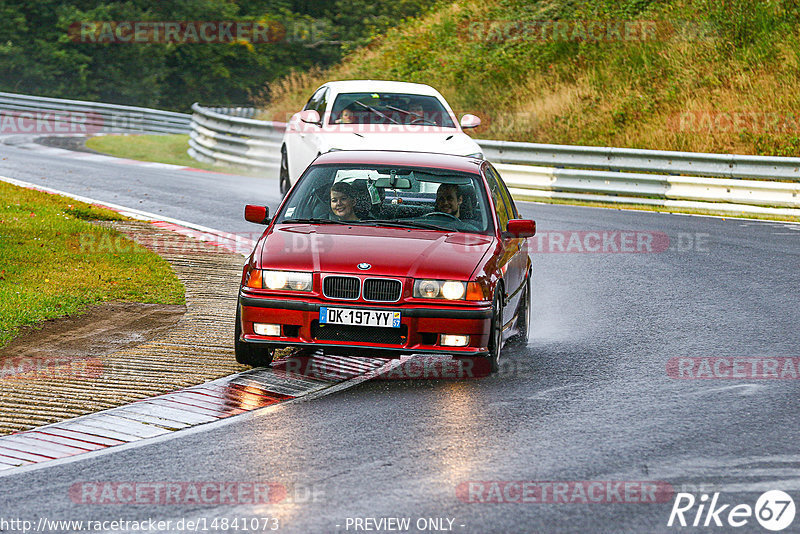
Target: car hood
(437, 140)
(396, 252)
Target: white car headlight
(287, 280)
(440, 289)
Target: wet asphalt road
(589, 398)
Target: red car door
(513, 256)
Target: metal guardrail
(235, 111)
(25, 114)
(235, 141)
(727, 195)
(723, 182)
(637, 160)
(719, 182)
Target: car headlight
(440, 289)
(286, 280)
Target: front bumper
(420, 329)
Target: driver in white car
(449, 199)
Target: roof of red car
(393, 157)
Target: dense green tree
(39, 55)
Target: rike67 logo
(774, 510)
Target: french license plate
(353, 316)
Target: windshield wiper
(318, 221)
(407, 224)
(387, 117)
(417, 117)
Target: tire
(249, 353)
(496, 332)
(285, 182)
(523, 317)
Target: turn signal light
(255, 280)
(477, 291)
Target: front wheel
(496, 332)
(285, 182)
(249, 353)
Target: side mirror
(311, 116)
(521, 228)
(470, 121)
(256, 214)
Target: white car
(373, 115)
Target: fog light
(451, 340)
(262, 329)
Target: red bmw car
(387, 253)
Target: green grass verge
(708, 75)
(56, 262)
(159, 148)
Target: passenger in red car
(449, 199)
(343, 202)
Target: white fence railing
(637, 160)
(719, 182)
(237, 141)
(766, 197)
(38, 115)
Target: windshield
(389, 108)
(405, 197)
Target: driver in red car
(449, 199)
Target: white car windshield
(436, 199)
(389, 108)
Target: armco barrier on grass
(722, 183)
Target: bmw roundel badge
(364, 266)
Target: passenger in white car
(348, 116)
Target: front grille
(341, 287)
(365, 334)
(382, 289)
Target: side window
(317, 99)
(513, 213)
(322, 104)
(497, 196)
